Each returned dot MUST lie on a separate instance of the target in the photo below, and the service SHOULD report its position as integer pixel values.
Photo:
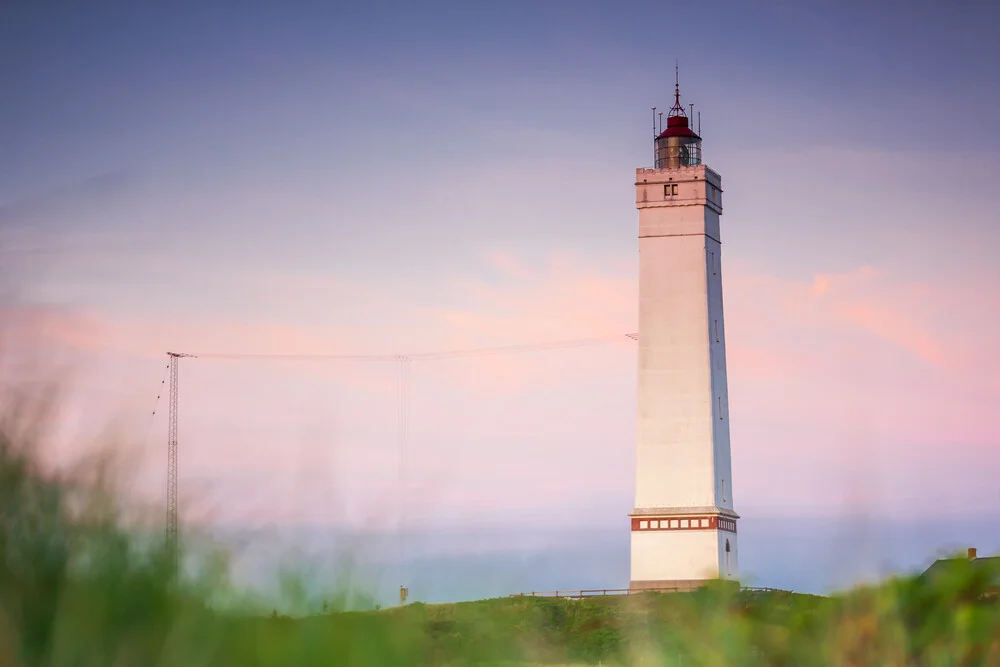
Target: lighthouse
(683, 526)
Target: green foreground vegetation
(79, 586)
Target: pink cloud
(25, 323)
(567, 298)
(562, 299)
(869, 355)
(82, 329)
(894, 328)
(867, 300)
(510, 265)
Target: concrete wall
(683, 450)
(673, 556)
(723, 472)
(729, 568)
(675, 408)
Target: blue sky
(280, 107)
(383, 177)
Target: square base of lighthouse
(682, 552)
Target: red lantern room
(677, 146)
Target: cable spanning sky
(380, 178)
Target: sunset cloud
(865, 300)
(894, 328)
(566, 298)
(509, 265)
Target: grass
(80, 586)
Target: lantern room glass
(676, 152)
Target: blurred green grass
(81, 585)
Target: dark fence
(600, 592)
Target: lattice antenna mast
(403, 362)
(402, 437)
(172, 523)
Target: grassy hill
(902, 622)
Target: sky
(380, 178)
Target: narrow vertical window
(723, 490)
(713, 264)
(673, 189)
(729, 569)
(720, 407)
(666, 190)
(716, 331)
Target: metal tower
(172, 524)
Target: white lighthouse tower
(683, 524)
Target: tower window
(729, 569)
(716, 331)
(713, 262)
(723, 490)
(720, 407)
